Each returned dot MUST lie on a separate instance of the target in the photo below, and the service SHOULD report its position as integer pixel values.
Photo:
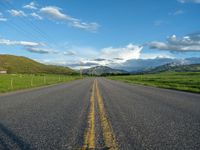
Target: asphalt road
(99, 114)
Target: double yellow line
(89, 139)
(108, 135)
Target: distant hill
(18, 64)
(175, 68)
(141, 65)
(103, 70)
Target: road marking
(108, 135)
(89, 138)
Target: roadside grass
(13, 82)
(185, 81)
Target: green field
(12, 82)
(186, 81)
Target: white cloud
(20, 43)
(106, 56)
(85, 26)
(3, 19)
(189, 1)
(155, 55)
(128, 57)
(34, 47)
(36, 16)
(31, 5)
(55, 13)
(187, 43)
(40, 50)
(69, 53)
(122, 54)
(17, 13)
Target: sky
(88, 33)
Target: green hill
(18, 64)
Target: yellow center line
(89, 139)
(108, 135)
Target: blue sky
(99, 32)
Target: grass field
(186, 81)
(12, 82)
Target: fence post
(32, 81)
(11, 83)
(44, 79)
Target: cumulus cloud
(122, 54)
(36, 16)
(189, 1)
(56, 13)
(128, 57)
(109, 55)
(187, 43)
(17, 13)
(31, 5)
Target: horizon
(96, 33)
(138, 68)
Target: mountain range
(175, 68)
(142, 65)
(102, 70)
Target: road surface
(96, 113)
